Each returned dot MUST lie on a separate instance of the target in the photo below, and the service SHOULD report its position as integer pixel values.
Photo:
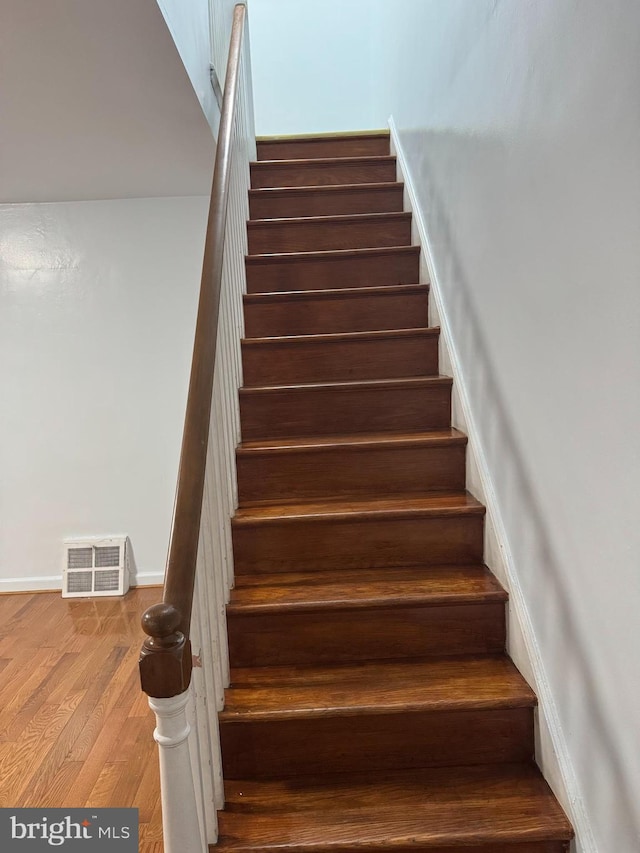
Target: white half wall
(97, 314)
(312, 66)
(519, 124)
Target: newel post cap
(165, 658)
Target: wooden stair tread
(270, 693)
(372, 384)
(333, 219)
(345, 589)
(365, 160)
(323, 189)
(434, 503)
(334, 254)
(364, 439)
(393, 810)
(322, 145)
(345, 136)
(331, 337)
(300, 233)
(380, 132)
(332, 293)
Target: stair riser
(276, 363)
(316, 235)
(266, 275)
(330, 411)
(320, 202)
(321, 174)
(343, 636)
(376, 743)
(303, 545)
(351, 313)
(305, 149)
(305, 475)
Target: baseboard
(147, 579)
(46, 583)
(53, 583)
(551, 750)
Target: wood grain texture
(325, 201)
(73, 729)
(346, 145)
(339, 589)
(323, 233)
(375, 687)
(351, 466)
(375, 742)
(490, 809)
(384, 633)
(358, 534)
(402, 405)
(294, 360)
(275, 273)
(319, 312)
(321, 172)
(339, 615)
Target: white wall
(97, 313)
(190, 27)
(312, 66)
(520, 125)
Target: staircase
(372, 704)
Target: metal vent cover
(95, 567)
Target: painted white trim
(181, 827)
(551, 749)
(31, 584)
(53, 583)
(147, 578)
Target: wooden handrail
(165, 660)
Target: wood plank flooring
(75, 729)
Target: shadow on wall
(587, 731)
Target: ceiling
(95, 103)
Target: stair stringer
(552, 755)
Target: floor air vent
(95, 567)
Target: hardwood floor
(75, 728)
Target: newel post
(165, 673)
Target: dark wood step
(390, 405)
(499, 808)
(272, 203)
(434, 528)
(349, 466)
(297, 359)
(323, 145)
(339, 616)
(375, 716)
(322, 172)
(321, 270)
(326, 233)
(342, 589)
(275, 693)
(376, 743)
(317, 312)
